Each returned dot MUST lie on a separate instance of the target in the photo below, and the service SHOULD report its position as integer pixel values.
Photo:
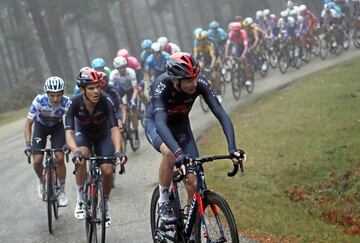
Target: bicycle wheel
(356, 38)
(56, 191)
(49, 195)
(283, 61)
(88, 213)
(236, 84)
(160, 232)
(203, 105)
(217, 220)
(264, 66)
(324, 48)
(140, 112)
(317, 45)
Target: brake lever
(234, 171)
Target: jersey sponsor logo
(77, 134)
(179, 109)
(160, 88)
(68, 104)
(37, 140)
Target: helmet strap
(86, 97)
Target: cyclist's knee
(107, 170)
(168, 156)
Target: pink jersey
(133, 63)
(239, 38)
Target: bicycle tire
(283, 61)
(56, 187)
(156, 225)
(88, 213)
(102, 206)
(236, 84)
(203, 105)
(140, 112)
(356, 38)
(49, 194)
(324, 48)
(212, 202)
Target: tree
(108, 27)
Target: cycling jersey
(206, 49)
(252, 31)
(219, 37)
(123, 83)
(100, 121)
(171, 48)
(238, 38)
(115, 97)
(157, 66)
(169, 111)
(42, 111)
(143, 57)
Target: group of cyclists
(94, 117)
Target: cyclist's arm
(70, 127)
(256, 37)
(116, 139)
(27, 129)
(219, 112)
(213, 56)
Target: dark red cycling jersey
(101, 120)
(170, 108)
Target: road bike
(208, 218)
(52, 182)
(95, 205)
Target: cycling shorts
(56, 132)
(103, 145)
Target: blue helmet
(98, 63)
(197, 31)
(146, 44)
(214, 25)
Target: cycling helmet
(119, 62)
(247, 22)
(123, 53)
(214, 25)
(259, 14)
(146, 44)
(182, 65)
(163, 40)
(293, 12)
(290, 4)
(54, 84)
(197, 31)
(87, 76)
(237, 18)
(235, 26)
(202, 35)
(98, 63)
(284, 13)
(156, 47)
(302, 8)
(266, 12)
(103, 80)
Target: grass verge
(302, 181)
(11, 116)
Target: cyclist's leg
(58, 141)
(133, 114)
(39, 142)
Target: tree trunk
(52, 61)
(152, 19)
(58, 38)
(124, 13)
(19, 47)
(83, 41)
(135, 29)
(163, 25)
(108, 28)
(217, 12)
(176, 22)
(5, 68)
(188, 45)
(200, 8)
(9, 53)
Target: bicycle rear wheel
(236, 84)
(56, 191)
(160, 232)
(217, 219)
(49, 191)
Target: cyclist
(156, 62)
(124, 79)
(90, 119)
(167, 46)
(46, 113)
(260, 20)
(217, 35)
(268, 22)
(205, 53)
(146, 51)
(238, 37)
(167, 125)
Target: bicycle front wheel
(49, 195)
(218, 223)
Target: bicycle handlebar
(98, 158)
(46, 150)
(199, 161)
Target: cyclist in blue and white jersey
(156, 62)
(287, 25)
(124, 80)
(146, 51)
(46, 113)
(167, 124)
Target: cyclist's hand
(238, 156)
(122, 127)
(181, 161)
(132, 104)
(28, 149)
(121, 158)
(78, 158)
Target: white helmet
(54, 84)
(266, 12)
(156, 47)
(284, 13)
(163, 40)
(302, 8)
(290, 4)
(119, 62)
(293, 12)
(259, 14)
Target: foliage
(302, 180)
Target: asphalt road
(23, 216)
